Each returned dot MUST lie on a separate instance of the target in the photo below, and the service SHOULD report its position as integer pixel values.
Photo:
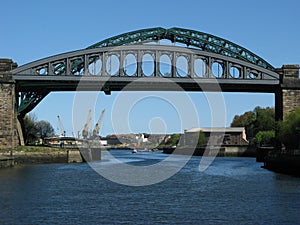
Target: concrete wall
(8, 113)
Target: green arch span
(200, 40)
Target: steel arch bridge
(201, 60)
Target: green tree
(173, 140)
(260, 119)
(44, 129)
(202, 140)
(289, 130)
(245, 120)
(265, 138)
(33, 129)
(29, 128)
(265, 119)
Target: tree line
(261, 126)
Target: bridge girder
(79, 63)
(191, 38)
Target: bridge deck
(100, 83)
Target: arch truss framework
(131, 55)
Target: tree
(265, 119)
(44, 129)
(265, 138)
(29, 128)
(173, 140)
(245, 120)
(33, 129)
(289, 130)
(260, 119)
(202, 140)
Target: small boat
(134, 151)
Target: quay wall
(6, 162)
(234, 150)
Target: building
(217, 136)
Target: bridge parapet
(7, 65)
(289, 71)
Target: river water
(230, 191)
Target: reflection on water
(230, 191)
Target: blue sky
(32, 29)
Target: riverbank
(223, 151)
(23, 155)
(283, 163)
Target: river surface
(230, 191)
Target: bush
(265, 138)
(174, 139)
(289, 130)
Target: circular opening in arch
(217, 69)
(113, 65)
(130, 65)
(59, 68)
(252, 75)
(95, 66)
(199, 67)
(148, 65)
(182, 66)
(165, 65)
(42, 71)
(77, 66)
(235, 72)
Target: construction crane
(62, 130)
(98, 124)
(87, 125)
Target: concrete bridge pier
(8, 108)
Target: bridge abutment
(8, 108)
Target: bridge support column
(290, 87)
(8, 108)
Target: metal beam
(88, 83)
(191, 38)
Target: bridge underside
(108, 84)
